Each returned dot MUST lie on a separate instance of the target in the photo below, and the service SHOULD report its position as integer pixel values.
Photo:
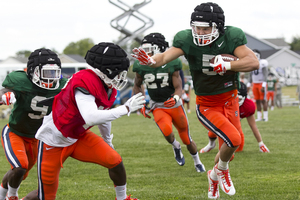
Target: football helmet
(154, 43)
(44, 68)
(242, 93)
(110, 63)
(257, 53)
(207, 15)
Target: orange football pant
(164, 119)
(270, 95)
(223, 121)
(257, 93)
(20, 151)
(89, 148)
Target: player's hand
(171, 101)
(135, 103)
(8, 98)
(144, 112)
(219, 65)
(142, 56)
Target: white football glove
(8, 98)
(142, 56)
(220, 66)
(135, 103)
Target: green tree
(23, 54)
(80, 47)
(295, 45)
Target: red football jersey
(65, 113)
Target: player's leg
(180, 121)
(92, 148)
(257, 96)
(211, 143)
(164, 122)
(213, 118)
(15, 151)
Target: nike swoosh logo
(206, 109)
(164, 66)
(225, 188)
(219, 45)
(48, 148)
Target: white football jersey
(257, 75)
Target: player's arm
(247, 60)
(105, 130)
(157, 60)
(166, 57)
(177, 83)
(138, 84)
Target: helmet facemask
(203, 40)
(47, 76)
(151, 49)
(118, 82)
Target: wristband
(227, 66)
(264, 84)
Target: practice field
(152, 172)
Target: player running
(165, 88)
(83, 103)
(216, 91)
(25, 90)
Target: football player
(258, 80)
(186, 94)
(25, 90)
(84, 102)
(164, 86)
(215, 84)
(247, 110)
(272, 89)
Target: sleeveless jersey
(158, 80)
(205, 80)
(258, 75)
(66, 116)
(27, 116)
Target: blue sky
(28, 25)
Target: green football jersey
(205, 80)
(158, 80)
(271, 83)
(26, 116)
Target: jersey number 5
(34, 107)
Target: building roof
(280, 42)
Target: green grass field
(152, 172)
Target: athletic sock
(266, 115)
(121, 192)
(176, 144)
(12, 191)
(3, 192)
(222, 165)
(196, 159)
(259, 115)
(213, 175)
